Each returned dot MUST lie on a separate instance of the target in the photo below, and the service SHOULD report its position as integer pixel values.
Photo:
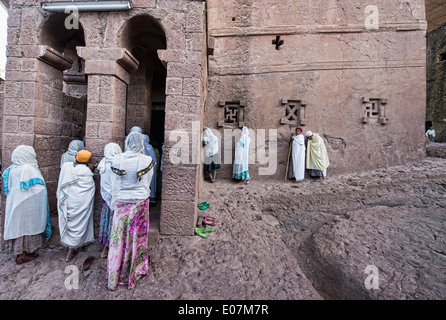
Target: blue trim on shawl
(31, 182)
(6, 180)
(48, 223)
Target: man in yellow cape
(317, 156)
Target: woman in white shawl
(27, 210)
(128, 256)
(104, 169)
(75, 203)
(148, 151)
(73, 148)
(212, 159)
(240, 167)
(298, 156)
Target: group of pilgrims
(127, 186)
(306, 156)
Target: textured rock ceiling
(435, 13)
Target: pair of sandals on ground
(205, 223)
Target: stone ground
(281, 241)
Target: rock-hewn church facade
(354, 73)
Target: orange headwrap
(83, 156)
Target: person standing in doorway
(430, 134)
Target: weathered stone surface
(288, 241)
(329, 58)
(436, 76)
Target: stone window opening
(442, 56)
(295, 112)
(374, 110)
(233, 113)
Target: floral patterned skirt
(128, 253)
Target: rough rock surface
(308, 240)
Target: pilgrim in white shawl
(27, 211)
(317, 156)
(73, 148)
(212, 158)
(128, 256)
(240, 168)
(298, 156)
(75, 202)
(148, 151)
(104, 169)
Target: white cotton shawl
(242, 152)
(133, 172)
(75, 202)
(73, 148)
(27, 200)
(104, 169)
(211, 141)
(298, 157)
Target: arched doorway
(143, 36)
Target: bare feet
(71, 254)
(104, 252)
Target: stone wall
(2, 207)
(436, 79)
(101, 79)
(331, 65)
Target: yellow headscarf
(83, 156)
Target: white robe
(27, 210)
(104, 169)
(298, 157)
(75, 203)
(241, 158)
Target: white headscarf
(27, 211)
(104, 168)
(126, 186)
(73, 148)
(211, 147)
(110, 151)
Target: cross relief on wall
(295, 112)
(233, 113)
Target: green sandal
(201, 231)
(203, 206)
